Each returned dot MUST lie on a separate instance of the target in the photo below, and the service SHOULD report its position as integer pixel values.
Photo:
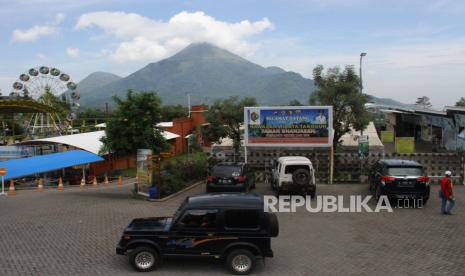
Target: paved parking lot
(74, 232)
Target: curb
(177, 193)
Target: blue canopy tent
(21, 167)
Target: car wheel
(144, 259)
(425, 199)
(240, 261)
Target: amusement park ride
(47, 101)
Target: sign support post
(2, 173)
(245, 154)
(331, 165)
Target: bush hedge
(181, 171)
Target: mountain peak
(198, 50)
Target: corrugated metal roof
(16, 168)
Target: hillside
(207, 73)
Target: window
(226, 171)
(405, 171)
(205, 219)
(241, 219)
(290, 169)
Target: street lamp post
(361, 82)
(361, 131)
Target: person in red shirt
(447, 194)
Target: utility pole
(189, 103)
(361, 130)
(361, 82)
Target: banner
(144, 171)
(405, 144)
(363, 146)
(387, 136)
(289, 126)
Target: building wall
(185, 126)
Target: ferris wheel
(48, 85)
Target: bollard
(106, 180)
(11, 190)
(94, 181)
(83, 182)
(120, 181)
(60, 184)
(40, 186)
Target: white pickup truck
(293, 174)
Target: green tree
(295, 103)
(423, 102)
(461, 102)
(61, 106)
(169, 112)
(341, 90)
(132, 125)
(226, 118)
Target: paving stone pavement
(75, 232)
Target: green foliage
(423, 102)
(132, 125)
(341, 89)
(60, 105)
(92, 114)
(182, 171)
(169, 112)
(461, 102)
(225, 118)
(295, 103)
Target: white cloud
(402, 71)
(41, 56)
(143, 38)
(72, 52)
(33, 33)
(37, 31)
(59, 17)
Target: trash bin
(153, 192)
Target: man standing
(320, 119)
(446, 194)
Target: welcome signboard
(288, 126)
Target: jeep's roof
(294, 159)
(399, 162)
(241, 200)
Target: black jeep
(230, 226)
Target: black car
(232, 227)
(399, 179)
(230, 177)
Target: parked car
(232, 227)
(399, 179)
(294, 174)
(230, 177)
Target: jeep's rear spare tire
(240, 261)
(301, 176)
(144, 259)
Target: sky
(414, 48)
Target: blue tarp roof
(20, 167)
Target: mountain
(386, 101)
(96, 80)
(206, 72)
